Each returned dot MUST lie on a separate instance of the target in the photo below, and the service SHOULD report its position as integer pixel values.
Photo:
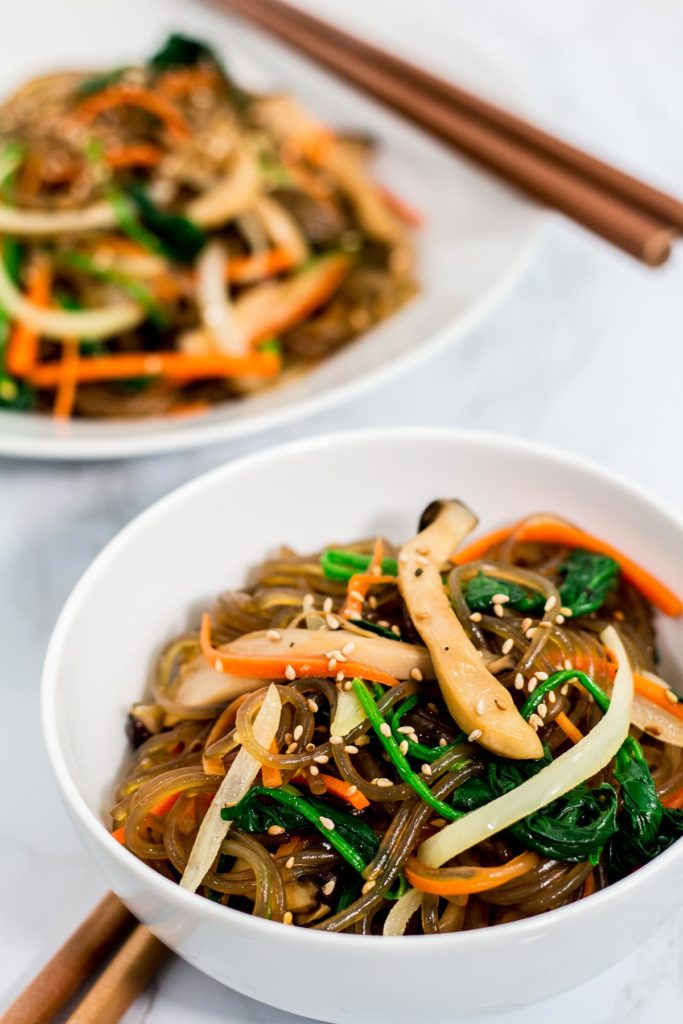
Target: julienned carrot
(674, 801)
(462, 881)
(183, 80)
(407, 213)
(588, 886)
(571, 731)
(22, 348)
(171, 365)
(278, 667)
(272, 777)
(66, 389)
(345, 791)
(359, 583)
(540, 530)
(245, 269)
(134, 155)
(161, 809)
(657, 695)
(127, 94)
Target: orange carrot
(65, 395)
(540, 530)
(568, 728)
(462, 881)
(183, 409)
(345, 791)
(245, 269)
(161, 809)
(656, 695)
(127, 94)
(674, 801)
(407, 213)
(588, 886)
(171, 365)
(359, 583)
(134, 155)
(276, 666)
(22, 348)
(184, 80)
(272, 777)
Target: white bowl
(152, 580)
(476, 241)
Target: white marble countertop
(586, 354)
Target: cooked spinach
(91, 86)
(341, 565)
(481, 589)
(180, 51)
(169, 234)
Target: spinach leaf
(481, 589)
(341, 565)
(91, 86)
(180, 51)
(16, 394)
(372, 627)
(588, 580)
(170, 234)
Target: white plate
(477, 239)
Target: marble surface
(585, 354)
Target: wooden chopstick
(537, 172)
(658, 204)
(73, 964)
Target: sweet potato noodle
(170, 241)
(424, 740)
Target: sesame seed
(474, 735)
(292, 748)
(339, 677)
(348, 648)
(424, 550)
(273, 634)
(218, 665)
(519, 681)
(383, 783)
(327, 823)
(559, 619)
(332, 622)
(530, 633)
(327, 605)
(500, 598)
(405, 728)
(351, 748)
(290, 673)
(396, 630)
(336, 739)
(328, 887)
(385, 729)
(535, 722)
(275, 830)
(438, 822)
(368, 887)
(498, 610)
(372, 601)
(550, 603)
(403, 558)
(426, 769)
(383, 623)
(421, 560)
(308, 602)
(287, 917)
(314, 770)
(310, 747)
(312, 706)
(352, 790)
(542, 675)
(298, 732)
(289, 863)
(564, 690)
(422, 616)
(332, 664)
(564, 610)
(508, 645)
(475, 617)
(525, 624)
(542, 710)
(321, 758)
(481, 706)
(416, 674)
(443, 742)
(403, 747)
(356, 595)
(568, 665)
(533, 683)
(671, 696)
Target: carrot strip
(244, 269)
(272, 777)
(65, 395)
(345, 791)
(674, 801)
(172, 365)
(127, 94)
(134, 155)
(571, 731)
(22, 348)
(588, 886)
(552, 531)
(359, 584)
(462, 881)
(407, 213)
(162, 808)
(656, 695)
(276, 666)
(184, 80)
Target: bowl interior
(157, 576)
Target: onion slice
(579, 763)
(234, 786)
(231, 196)
(402, 911)
(41, 223)
(348, 714)
(62, 324)
(215, 307)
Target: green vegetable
(399, 761)
(129, 285)
(418, 750)
(351, 837)
(341, 565)
(372, 627)
(91, 86)
(589, 578)
(11, 156)
(181, 51)
(481, 589)
(557, 679)
(15, 394)
(270, 345)
(169, 234)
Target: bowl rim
(197, 906)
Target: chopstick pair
(137, 958)
(625, 211)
